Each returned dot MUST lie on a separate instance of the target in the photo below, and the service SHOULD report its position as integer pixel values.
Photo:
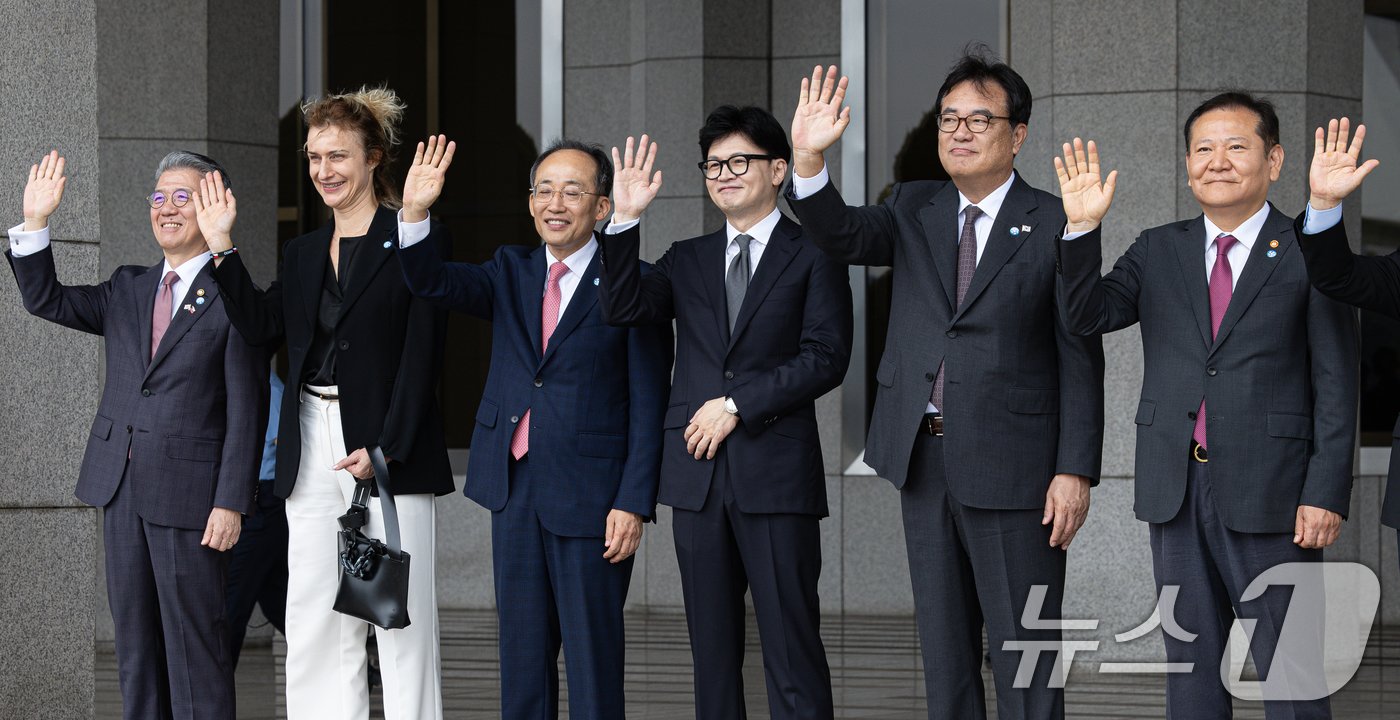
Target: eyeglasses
(737, 164)
(949, 122)
(544, 195)
(179, 198)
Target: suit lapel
(188, 311)
(1001, 244)
(585, 297)
(939, 218)
(374, 251)
(312, 273)
(145, 308)
(1257, 270)
(777, 255)
(709, 255)
(1190, 255)
(531, 281)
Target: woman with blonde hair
(363, 359)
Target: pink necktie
(549, 319)
(1221, 288)
(160, 317)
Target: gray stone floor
(874, 662)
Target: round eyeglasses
(737, 164)
(179, 198)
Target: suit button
(930, 377)
(1210, 371)
(539, 382)
(344, 344)
(728, 375)
(128, 428)
(1191, 415)
(951, 334)
(145, 392)
(515, 418)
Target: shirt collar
(1246, 233)
(990, 205)
(578, 262)
(188, 269)
(761, 231)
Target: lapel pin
(1273, 253)
(1025, 228)
(190, 308)
(387, 244)
(1015, 232)
(1273, 243)
(595, 281)
(199, 292)
(199, 301)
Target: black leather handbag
(373, 574)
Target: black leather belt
(932, 424)
(324, 396)
(1198, 452)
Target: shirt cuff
(27, 243)
(806, 187)
(616, 228)
(1074, 235)
(411, 234)
(1314, 221)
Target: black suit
(749, 518)
(390, 352)
(1023, 401)
(1370, 283)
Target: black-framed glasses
(178, 198)
(737, 164)
(544, 194)
(976, 122)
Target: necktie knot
(170, 279)
(971, 213)
(1223, 244)
(557, 272)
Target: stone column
(112, 88)
(1127, 75)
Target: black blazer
(1024, 397)
(185, 425)
(791, 345)
(1279, 379)
(1372, 283)
(390, 347)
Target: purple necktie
(160, 317)
(967, 265)
(1221, 288)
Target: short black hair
(603, 180)
(754, 123)
(1231, 99)
(979, 65)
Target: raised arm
(1089, 304)
(628, 296)
(255, 313)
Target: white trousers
(326, 659)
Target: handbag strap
(360, 500)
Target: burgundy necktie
(549, 319)
(967, 265)
(160, 317)
(1221, 288)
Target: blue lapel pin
(387, 244)
(1015, 231)
(199, 301)
(1273, 253)
(595, 281)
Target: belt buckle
(934, 425)
(1198, 453)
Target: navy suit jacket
(1371, 283)
(1024, 397)
(791, 344)
(1279, 379)
(191, 418)
(596, 396)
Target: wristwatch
(730, 407)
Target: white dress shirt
(760, 232)
(24, 243)
(1246, 234)
(411, 234)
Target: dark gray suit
(1023, 401)
(1279, 382)
(175, 436)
